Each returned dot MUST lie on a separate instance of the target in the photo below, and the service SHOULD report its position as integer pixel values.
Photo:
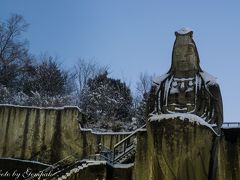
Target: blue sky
(134, 36)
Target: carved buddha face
(184, 60)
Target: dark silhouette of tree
(49, 79)
(14, 57)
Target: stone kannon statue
(186, 88)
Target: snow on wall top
(182, 116)
(38, 107)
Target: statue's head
(185, 59)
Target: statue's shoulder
(157, 81)
(209, 79)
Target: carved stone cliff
(183, 149)
(177, 149)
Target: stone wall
(169, 149)
(176, 149)
(141, 165)
(48, 134)
(229, 155)
(120, 172)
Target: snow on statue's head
(185, 59)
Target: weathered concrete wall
(91, 140)
(120, 172)
(229, 155)
(141, 166)
(176, 149)
(48, 134)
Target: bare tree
(144, 84)
(14, 56)
(140, 100)
(86, 70)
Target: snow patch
(92, 163)
(208, 78)
(37, 107)
(123, 166)
(182, 116)
(104, 133)
(159, 80)
(184, 30)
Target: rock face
(176, 149)
(182, 149)
(48, 135)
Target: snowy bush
(4, 94)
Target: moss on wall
(48, 134)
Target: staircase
(123, 152)
(55, 167)
(60, 170)
(69, 171)
(65, 171)
(126, 148)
